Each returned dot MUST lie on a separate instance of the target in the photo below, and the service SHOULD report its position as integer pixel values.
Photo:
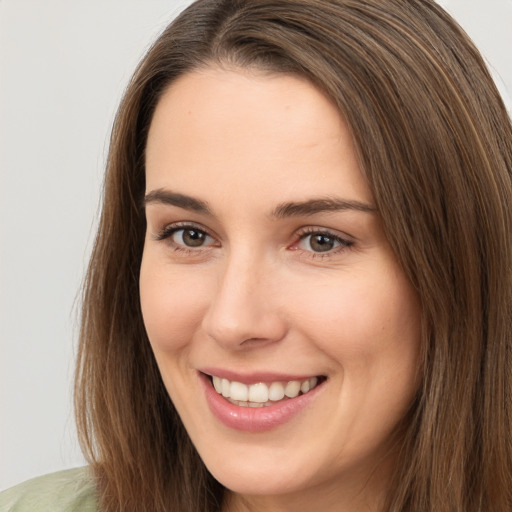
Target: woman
(299, 296)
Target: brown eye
(193, 238)
(321, 243)
(190, 237)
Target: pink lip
(253, 378)
(259, 419)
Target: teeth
(225, 388)
(292, 389)
(304, 387)
(258, 393)
(276, 391)
(239, 391)
(261, 394)
(217, 384)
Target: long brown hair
(435, 144)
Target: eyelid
(169, 229)
(346, 241)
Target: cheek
(366, 322)
(172, 306)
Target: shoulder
(72, 490)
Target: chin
(258, 481)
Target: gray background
(63, 67)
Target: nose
(245, 310)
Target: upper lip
(256, 376)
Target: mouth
(258, 402)
(263, 394)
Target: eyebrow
(320, 205)
(161, 196)
(283, 210)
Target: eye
(319, 242)
(190, 237)
(186, 237)
(322, 242)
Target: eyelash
(168, 231)
(343, 243)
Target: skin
(258, 296)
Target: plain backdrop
(63, 67)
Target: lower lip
(255, 419)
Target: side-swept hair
(435, 144)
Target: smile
(262, 394)
(263, 402)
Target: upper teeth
(261, 392)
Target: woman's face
(266, 271)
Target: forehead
(224, 130)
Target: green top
(72, 490)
